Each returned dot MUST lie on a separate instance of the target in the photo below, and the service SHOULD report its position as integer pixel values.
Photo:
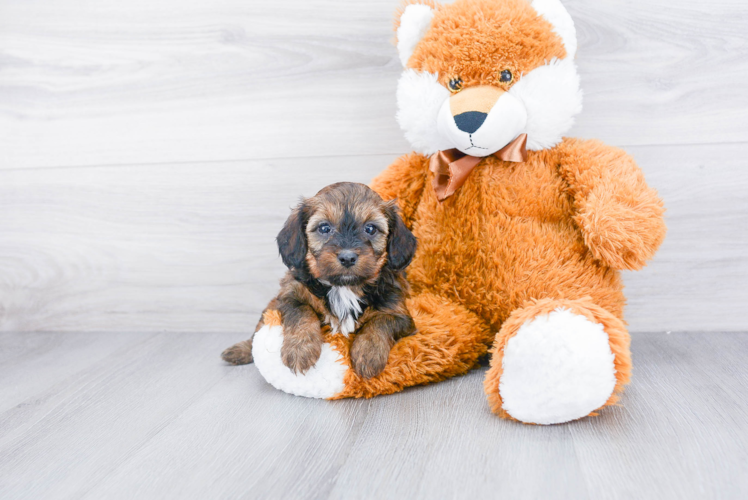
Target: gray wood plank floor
(160, 416)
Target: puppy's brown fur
(345, 237)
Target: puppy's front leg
(371, 347)
(302, 337)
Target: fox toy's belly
(507, 236)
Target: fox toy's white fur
(557, 368)
(419, 98)
(323, 380)
(543, 103)
(552, 98)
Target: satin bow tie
(452, 167)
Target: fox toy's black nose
(347, 258)
(470, 121)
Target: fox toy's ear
(412, 24)
(563, 24)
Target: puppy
(346, 251)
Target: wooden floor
(154, 416)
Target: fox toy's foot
(448, 342)
(557, 360)
(323, 380)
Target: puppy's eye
(324, 228)
(455, 85)
(506, 76)
(371, 229)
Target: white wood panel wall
(150, 149)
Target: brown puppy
(346, 251)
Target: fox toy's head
(478, 73)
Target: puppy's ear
(401, 244)
(292, 238)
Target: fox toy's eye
(455, 85)
(324, 228)
(371, 229)
(506, 76)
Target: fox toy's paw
(323, 380)
(557, 360)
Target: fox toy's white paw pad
(557, 368)
(323, 380)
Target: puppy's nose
(470, 121)
(347, 258)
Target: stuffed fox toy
(521, 231)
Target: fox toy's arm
(618, 214)
(405, 180)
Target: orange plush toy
(521, 232)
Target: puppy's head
(345, 235)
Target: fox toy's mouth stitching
(470, 136)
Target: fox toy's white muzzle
(477, 131)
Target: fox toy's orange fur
(513, 234)
(517, 240)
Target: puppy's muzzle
(347, 258)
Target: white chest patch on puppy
(345, 306)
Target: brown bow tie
(452, 167)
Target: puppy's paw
(238, 354)
(369, 355)
(300, 354)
